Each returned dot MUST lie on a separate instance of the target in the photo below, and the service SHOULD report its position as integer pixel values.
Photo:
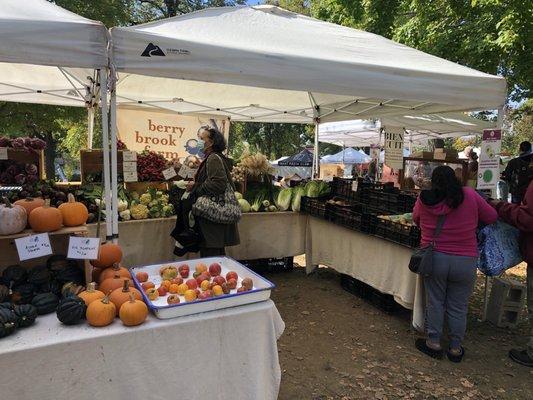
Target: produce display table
(377, 262)
(225, 354)
(263, 235)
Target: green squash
(73, 273)
(23, 294)
(8, 322)
(45, 303)
(26, 314)
(14, 275)
(39, 275)
(71, 310)
(4, 293)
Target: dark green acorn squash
(72, 273)
(39, 275)
(57, 262)
(4, 293)
(52, 286)
(23, 294)
(14, 275)
(8, 322)
(45, 303)
(71, 310)
(8, 305)
(26, 314)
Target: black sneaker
(422, 346)
(521, 357)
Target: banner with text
(394, 148)
(489, 160)
(169, 134)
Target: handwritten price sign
(82, 248)
(33, 246)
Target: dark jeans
(530, 306)
(447, 292)
(212, 252)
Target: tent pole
(90, 124)
(105, 147)
(316, 165)
(114, 179)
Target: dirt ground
(337, 346)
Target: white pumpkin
(13, 218)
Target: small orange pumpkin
(121, 295)
(113, 283)
(74, 213)
(133, 312)
(114, 270)
(108, 255)
(30, 204)
(46, 218)
(91, 294)
(101, 312)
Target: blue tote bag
(498, 248)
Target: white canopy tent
(420, 128)
(266, 64)
(347, 156)
(49, 55)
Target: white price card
(129, 156)
(130, 176)
(186, 172)
(129, 166)
(3, 153)
(169, 173)
(33, 246)
(83, 248)
(355, 184)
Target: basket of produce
(177, 289)
(399, 229)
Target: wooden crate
(92, 162)
(29, 157)
(141, 187)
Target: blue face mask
(200, 145)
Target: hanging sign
(129, 156)
(394, 149)
(33, 246)
(489, 160)
(83, 248)
(130, 176)
(172, 135)
(186, 172)
(3, 153)
(129, 166)
(169, 173)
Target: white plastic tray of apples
(193, 297)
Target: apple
(182, 289)
(215, 269)
(205, 295)
(197, 291)
(212, 285)
(183, 266)
(232, 275)
(219, 280)
(169, 272)
(152, 293)
(200, 268)
(191, 283)
(201, 278)
(148, 285)
(190, 295)
(162, 290)
(174, 288)
(242, 289)
(166, 284)
(232, 283)
(217, 290)
(225, 288)
(178, 280)
(141, 276)
(184, 273)
(173, 299)
(248, 283)
(205, 285)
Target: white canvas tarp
(264, 63)
(47, 53)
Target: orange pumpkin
(121, 295)
(74, 213)
(133, 312)
(101, 312)
(46, 218)
(112, 271)
(96, 274)
(91, 294)
(113, 283)
(30, 204)
(108, 255)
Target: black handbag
(422, 258)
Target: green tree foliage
(521, 127)
(148, 10)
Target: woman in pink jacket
(454, 260)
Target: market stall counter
(379, 263)
(263, 235)
(230, 353)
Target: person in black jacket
(516, 173)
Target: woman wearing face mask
(212, 178)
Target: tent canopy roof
(47, 53)
(303, 159)
(263, 63)
(347, 156)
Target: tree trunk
(171, 8)
(50, 155)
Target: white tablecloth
(263, 235)
(379, 263)
(226, 354)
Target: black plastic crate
(385, 302)
(399, 233)
(344, 216)
(269, 265)
(354, 286)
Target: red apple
(219, 280)
(232, 283)
(202, 277)
(148, 285)
(178, 280)
(183, 266)
(184, 273)
(142, 276)
(232, 275)
(242, 289)
(225, 288)
(173, 299)
(205, 295)
(197, 291)
(162, 291)
(215, 269)
(191, 283)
